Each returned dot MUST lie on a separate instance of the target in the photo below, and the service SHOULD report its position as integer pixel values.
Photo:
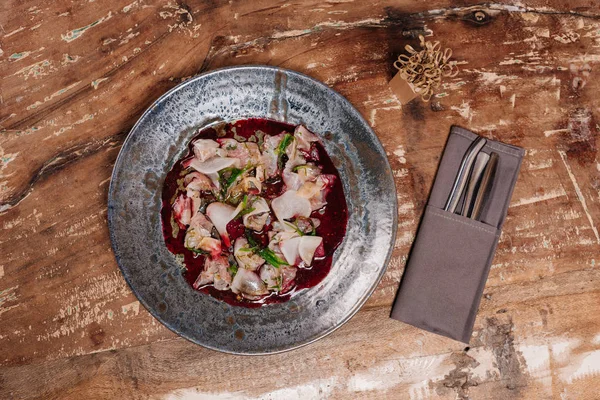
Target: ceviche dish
(254, 211)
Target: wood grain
(75, 76)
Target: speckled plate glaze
(159, 139)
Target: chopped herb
(228, 176)
(294, 226)
(278, 283)
(244, 203)
(285, 142)
(314, 228)
(235, 174)
(280, 151)
(233, 269)
(197, 251)
(269, 256)
(245, 209)
(299, 167)
(251, 240)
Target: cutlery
(485, 187)
(463, 174)
(478, 168)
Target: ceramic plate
(160, 138)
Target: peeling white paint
(537, 358)
(404, 239)
(464, 110)
(400, 153)
(562, 347)
(131, 307)
(415, 372)
(548, 195)
(554, 132)
(582, 366)
(563, 156)
(319, 389)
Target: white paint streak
(416, 372)
(53, 95)
(561, 348)
(400, 153)
(36, 70)
(76, 33)
(327, 24)
(131, 307)
(554, 132)
(543, 164)
(319, 389)
(537, 358)
(551, 194)
(492, 78)
(6, 296)
(487, 363)
(464, 110)
(511, 61)
(563, 156)
(405, 239)
(84, 304)
(97, 82)
(128, 7)
(1, 271)
(19, 29)
(374, 112)
(589, 366)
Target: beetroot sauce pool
(333, 216)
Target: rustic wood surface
(75, 76)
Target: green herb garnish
(280, 150)
(233, 269)
(314, 228)
(235, 174)
(269, 256)
(285, 142)
(277, 287)
(197, 251)
(251, 240)
(228, 176)
(245, 209)
(299, 167)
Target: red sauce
(334, 216)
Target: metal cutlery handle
(485, 187)
(463, 173)
(478, 168)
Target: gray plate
(159, 139)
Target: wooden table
(75, 76)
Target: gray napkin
(451, 256)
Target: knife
(463, 173)
(485, 187)
(478, 168)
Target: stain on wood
(74, 78)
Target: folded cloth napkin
(451, 256)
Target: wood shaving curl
(424, 69)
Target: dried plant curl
(425, 69)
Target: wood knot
(478, 17)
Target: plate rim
(127, 142)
